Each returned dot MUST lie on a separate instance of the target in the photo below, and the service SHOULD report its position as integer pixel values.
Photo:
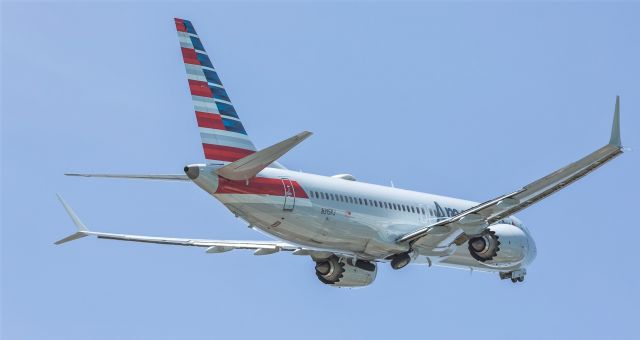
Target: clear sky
(466, 100)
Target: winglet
(615, 127)
(82, 229)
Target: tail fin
(224, 138)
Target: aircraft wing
(474, 220)
(213, 246)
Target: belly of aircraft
(304, 225)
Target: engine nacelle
(501, 245)
(341, 272)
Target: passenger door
(289, 195)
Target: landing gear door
(289, 195)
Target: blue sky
(466, 100)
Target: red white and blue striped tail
(224, 138)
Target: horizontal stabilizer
(135, 176)
(250, 166)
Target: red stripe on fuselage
(258, 186)
(224, 153)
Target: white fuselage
(347, 216)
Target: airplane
(345, 226)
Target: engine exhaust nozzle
(192, 171)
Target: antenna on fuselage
(392, 185)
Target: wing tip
(76, 220)
(615, 127)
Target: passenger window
(385, 205)
(350, 199)
(412, 210)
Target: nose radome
(192, 171)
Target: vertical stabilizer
(224, 138)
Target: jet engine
(341, 272)
(501, 245)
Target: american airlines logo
(443, 212)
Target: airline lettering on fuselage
(444, 212)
